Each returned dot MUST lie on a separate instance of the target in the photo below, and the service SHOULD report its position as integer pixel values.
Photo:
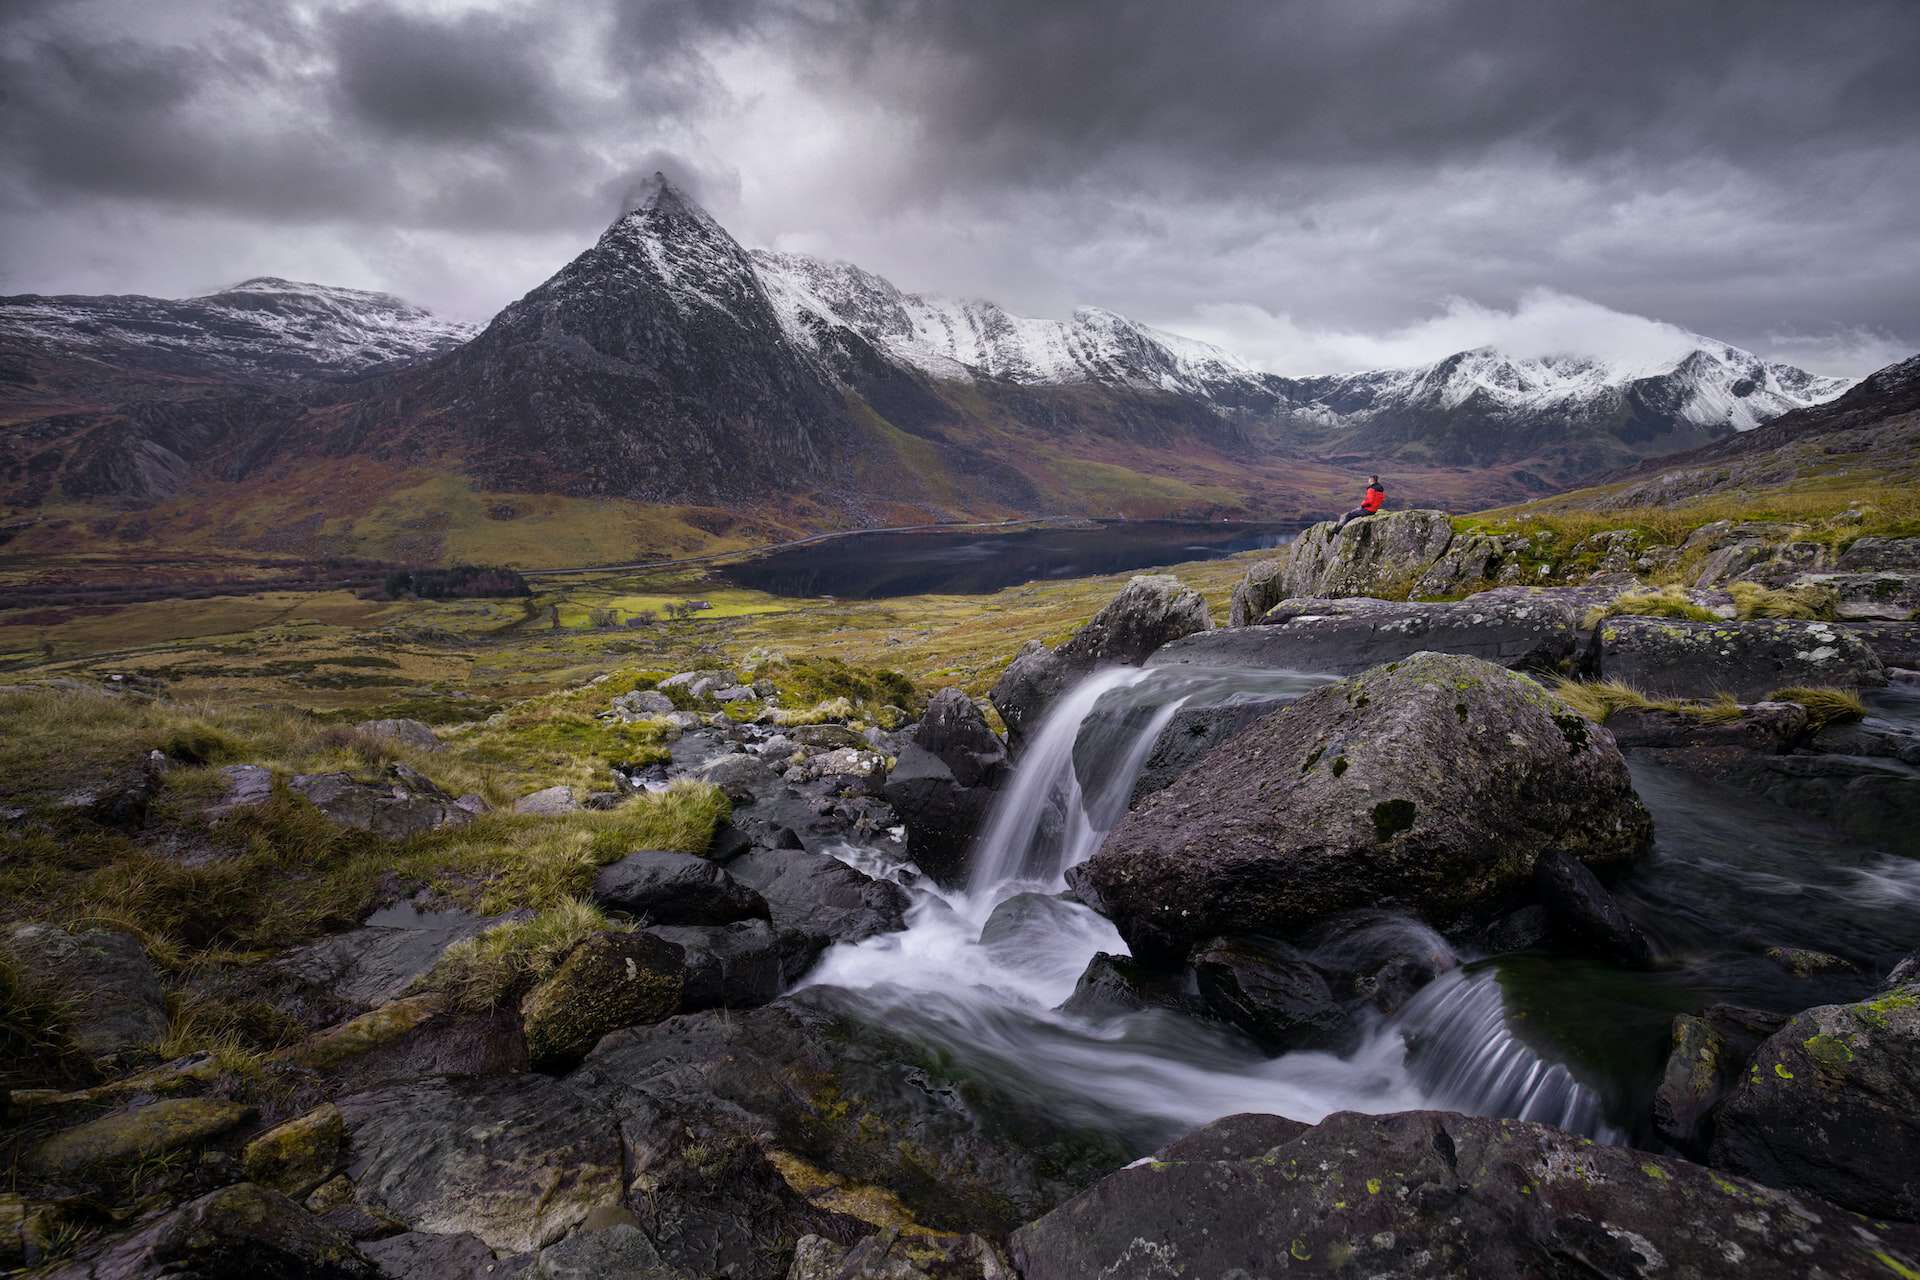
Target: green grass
(1652, 602)
(1597, 700)
(507, 960)
(1751, 600)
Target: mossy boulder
(1830, 1104)
(127, 1137)
(1429, 1193)
(611, 980)
(299, 1155)
(1429, 787)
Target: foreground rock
(1585, 917)
(404, 803)
(1148, 613)
(1830, 1105)
(658, 887)
(892, 1256)
(238, 1231)
(609, 981)
(1426, 1193)
(517, 1161)
(1526, 631)
(1672, 657)
(820, 1075)
(113, 1003)
(1191, 734)
(1428, 787)
(944, 784)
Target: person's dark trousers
(1354, 514)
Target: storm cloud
(1317, 185)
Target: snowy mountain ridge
(261, 327)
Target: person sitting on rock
(1376, 497)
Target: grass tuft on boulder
(1825, 705)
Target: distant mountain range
(670, 367)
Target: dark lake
(868, 566)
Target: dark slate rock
(1673, 657)
(1112, 986)
(944, 782)
(1514, 629)
(414, 1254)
(816, 901)
(1760, 726)
(1190, 735)
(1269, 991)
(404, 804)
(114, 1004)
(238, 1231)
(1426, 1193)
(657, 887)
(1874, 800)
(729, 966)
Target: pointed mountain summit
(653, 366)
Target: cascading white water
(1153, 1073)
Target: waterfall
(1150, 1075)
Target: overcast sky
(1318, 185)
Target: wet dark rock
(1515, 629)
(403, 804)
(730, 966)
(675, 889)
(1692, 1084)
(238, 1231)
(517, 1160)
(1378, 959)
(1427, 787)
(1585, 917)
(944, 782)
(336, 977)
(1150, 610)
(1114, 985)
(1875, 739)
(838, 1089)
(1524, 929)
(1760, 726)
(1805, 962)
(1424, 1193)
(1270, 992)
(1023, 919)
(1830, 1106)
(619, 1251)
(113, 1004)
(118, 800)
(408, 1039)
(741, 776)
(1190, 735)
(816, 901)
(247, 786)
(415, 735)
(1674, 657)
(1896, 644)
(608, 981)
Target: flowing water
(1540, 1037)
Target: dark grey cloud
(1306, 178)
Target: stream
(1534, 1035)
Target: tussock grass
(33, 1040)
(1825, 704)
(1752, 600)
(507, 960)
(1652, 602)
(1599, 699)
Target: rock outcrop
(609, 981)
(1425, 1193)
(404, 804)
(114, 1007)
(665, 888)
(1428, 786)
(1672, 657)
(1150, 611)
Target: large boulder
(816, 900)
(1383, 555)
(348, 973)
(1674, 657)
(1830, 1105)
(1428, 786)
(518, 1161)
(1584, 916)
(112, 1004)
(1150, 611)
(608, 981)
(944, 783)
(1427, 1193)
(1524, 630)
(658, 887)
(404, 803)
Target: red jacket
(1375, 496)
